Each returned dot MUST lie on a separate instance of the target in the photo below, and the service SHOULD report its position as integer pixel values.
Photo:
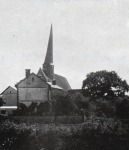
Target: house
(9, 96)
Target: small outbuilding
(9, 96)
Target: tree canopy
(62, 105)
(104, 84)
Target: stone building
(38, 87)
(9, 96)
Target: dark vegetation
(98, 134)
(104, 84)
(103, 104)
(61, 104)
(107, 94)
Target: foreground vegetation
(98, 134)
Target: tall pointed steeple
(48, 66)
(49, 54)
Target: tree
(22, 110)
(104, 84)
(32, 108)
(43, 108)
(79, 102)
(62, 105)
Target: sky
(88, 36)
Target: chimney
(27, 72)
(54, 82)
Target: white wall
(33, 94)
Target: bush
(43, 108)
(99, 134)
(34, 109)
(62, 105)
(13, 135)
(104, 108)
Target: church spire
(48, 66)
(49, 54)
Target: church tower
(48, 66)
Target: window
(3, 112)
(10, 91)
(32, 79)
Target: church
(38, 87)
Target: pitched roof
(7, 89)
(42, 74)
(29, 76)
(62, 82)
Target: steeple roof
(49, 54)
(42, 75)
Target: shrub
(104, 108)
(99, 134)
(122, 108)
(43, 108)
(13, 135)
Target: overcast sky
(89, 35)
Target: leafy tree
(32, 109)
(81, 104)
(104, 84)
(80, 101)
(22, 110)
(43, 108)
(62, 105)
(104, 108)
